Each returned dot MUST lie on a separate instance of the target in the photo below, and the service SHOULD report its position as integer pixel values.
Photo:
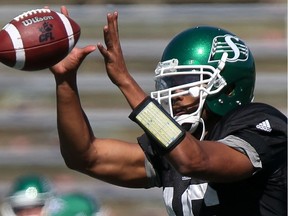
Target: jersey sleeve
(244, 147)
(263, 128)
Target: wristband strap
(158, 124)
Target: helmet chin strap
(189, 119)
(193, 121)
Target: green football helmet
(206, 62)
(73, 204)
(27, 192)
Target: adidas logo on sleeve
(265, 126)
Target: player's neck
(210, 120)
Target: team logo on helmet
(233, 46)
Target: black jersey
(262, 131)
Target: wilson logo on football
(28, 22)
(233, 46)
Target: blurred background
(28, 134)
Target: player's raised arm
(115, 63)
(74, 130)
(113, 161)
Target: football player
(211, 149)
(74, 204)
(28, 196)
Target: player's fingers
(64, 10)
(88, 49)
(106, 36)
(105, 32)
(79, 54)
(110, 20)
(102, 50)
(115, 25)
(112, 29)
(115, 21)
(111, 32)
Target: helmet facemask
(199, 81)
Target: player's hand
(72, 62)
(63, 10)
(74, 59)
(113, 56)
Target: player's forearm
(133, 93)
(73, 127)
(210, 160)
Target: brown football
(37, 39)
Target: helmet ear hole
(229, 90)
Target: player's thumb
(87, 50)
